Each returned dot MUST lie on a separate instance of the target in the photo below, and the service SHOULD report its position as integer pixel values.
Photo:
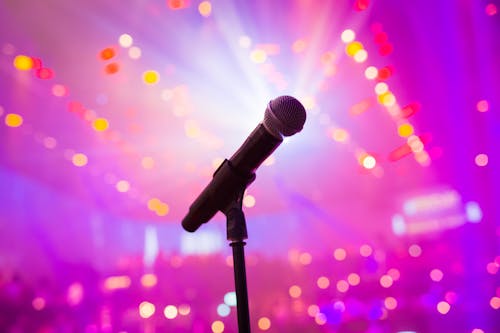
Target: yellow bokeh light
(122, 186)
(146, 309)
(13, 120)
(79, 159)
(387, 99)
(205, 8)
(264, 323)
(192, 129)
(151, 77)
(100, 124)
(149, 280)
(295, 291)
(154, 203)
(405, 130)
(23, 63)
(353, 48)
(162, 209)
(217, 326)
(258, 56)
(348, 36)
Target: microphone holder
(236, 234)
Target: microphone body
(284, 116)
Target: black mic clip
(233, 185)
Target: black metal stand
(236, 234)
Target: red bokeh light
(44, 73)
(360, 5)
(177, 4)
(37, 63)
(381, 38)
(107, 53)
(112, 68)
(384, 73)
(386, 49)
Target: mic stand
(236, 234)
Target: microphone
(284, 116)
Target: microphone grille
(284, 115)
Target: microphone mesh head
(284, 115)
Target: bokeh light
(38, 303)
(443, 307)
(342, 286)
(436, 275)
(386, 281)
(79, 159)
(149, 280)
(151, 77)
(205, 8)
(223, 310)
(353, 48)
(100, 124)
(353, 279)
(405, 130)
(217, 326)
(323, 282)
(13, 120)
(23, 63)
(415, 250)
(170, 312)
(348, 36)
(134, 52)
(371, 72)
(146, 309)
(107, 53)
(125, 40)
(122, 186)
(340, 254)
(481, 160)
(491, 9)
(264, 323)
(390, 303)
(295, 291)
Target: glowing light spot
(305, 258)
(162, 209)
(320, 319)
(295, 291)
(264, 323)
(258, 56)
(342, 286)
(122, 186)
(313, 310)
(371, 72)
(415, 250)
(443, 307)
(151, 77)
(112, 68)
(184, 309)
(125, 40)
(340, 135)
(365, 250)
(146, 309)
(405, 130)
(323, 282)
(117, 282)
(44, 73)
(170, 312)
(436, 275)
(394, 273)
(495, 302)
(386, 49)
(482, 106)
(491, 9)
(390, 303)
(481, 160)
(49, 142)
(386, 281)
(477, 330)
(223, 310)
(217, 326)
(339, 254)
(38, 303)
(368, 162)
(79, 159)
(59, 90)
(230, 297)
(153, 203)
(381, 88)
(13, 120)
(353, 48)
(147, 162)
(415, 143)
(353, 279)
(348, 36)
(75, 294)
(299, 46)
(249, 201)
(361, 56)
(492, 268)
(360, 5)
(134, 52)
(205, 8)
(107, 53)
(149, 280)
(100, 124)
(245, 42)
(23, 63)
(387, 99)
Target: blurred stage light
(205, 8)
(264, 323)
(352, 48)
(146, 309)
(13, 120)
(134, 52)
(203, 242)
(107, 53)
(23, 63)
(223, 310)
(151, 77)
(125, 40)
(117, 282)
(149, 280)
(217, 326)
(348, 36)
(79, 159)
(443, 307)
(295, 291)
(323, 282)
(481, 160)
(339, 254)
(170, 312)
(371, 72)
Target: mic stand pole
(236, 234)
